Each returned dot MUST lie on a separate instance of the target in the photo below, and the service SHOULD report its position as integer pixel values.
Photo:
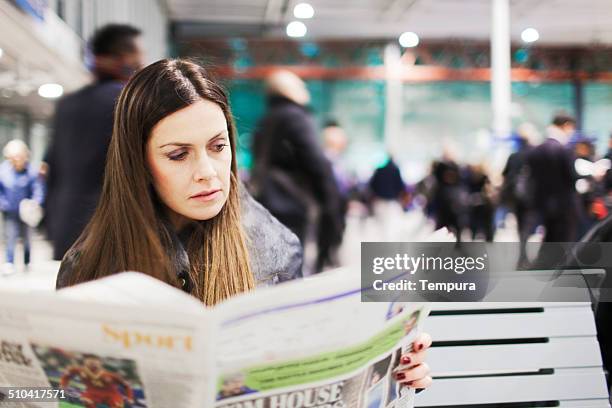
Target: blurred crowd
(556, 185)
(560, 184)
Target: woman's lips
(208, 196)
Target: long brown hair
(129, 230)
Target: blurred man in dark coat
(515, 193)
(449, 195)
(291, 177)
(481, 208)
(388, 188)
(553, 178)
(82, 131)
(387, 183)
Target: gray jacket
(275, 252)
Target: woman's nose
(205, 169)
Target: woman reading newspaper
(172, 206)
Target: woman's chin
(204, 214)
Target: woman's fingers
(422, 383)
(412, 359)
(418, 353)
(422, 342)
(413, 370)
(415, 373)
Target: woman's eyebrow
(223, 133)
(176, 144)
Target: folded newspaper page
(131, 341)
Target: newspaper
(131, 341)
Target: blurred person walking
(291, 176)
(82, 130)
(515, 192)
(334, 146)
(481, 206)
(552, 174)
(589, 185)
(20, 182)
(387, 187)
(449, 196)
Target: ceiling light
(530, 35)
(303, 10)
(296, 29)
(51, 90)
(409, 39)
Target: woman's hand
(413, 371)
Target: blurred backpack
(517, 188)
(523, 187)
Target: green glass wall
(453, 114)
(598, 113)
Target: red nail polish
(420, 347)
(406, 360)
(400, 376)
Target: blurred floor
(412, 226)
(41, 273)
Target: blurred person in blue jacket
(19, 181)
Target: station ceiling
(559, 22)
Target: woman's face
(189, 157)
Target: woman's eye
(219, 147)
(177, 156)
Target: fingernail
(409, 383)
(420, 347)
(406, 360)
(400, 376)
